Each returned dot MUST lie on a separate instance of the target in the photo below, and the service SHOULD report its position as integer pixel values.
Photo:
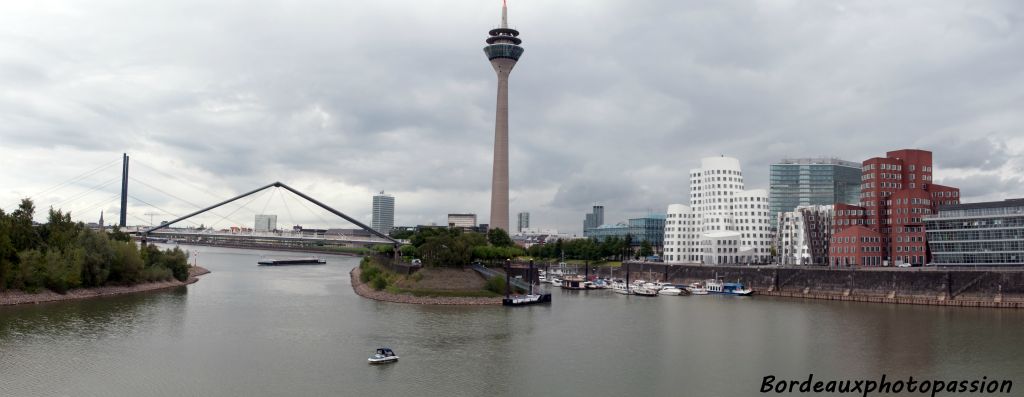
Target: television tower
(503, 51)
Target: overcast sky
(612, 102)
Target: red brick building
(856, 245)
(896, 192)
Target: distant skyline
(327, 97)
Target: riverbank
(8, 298)
(368, 292)
(992, 288)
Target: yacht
(670, 290)
(644, 291)
(620, 287)
(697, 288)
(718, 287)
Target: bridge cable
(85, 193)
(239, 208)
(159, 209)
(73, 179)
(288, 210)
(171, 195)
(99, 203)
(190, 184)
(326, 222)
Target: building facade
(383, 213)
(896, 194)
(594, 219)
(977, 234)
(650, 228)
(265, 223)
(524, 221)
(724, 222)
(465, 221)
(803, 235)
(812, 181)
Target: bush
(369, 273)
(379, 283)
(496, 284)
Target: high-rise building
(812, 181)
(594, 219)
(977, 234)
(503, 51)
(723, 223)
(383, 213)
(524, 221)
(265, 223)
(465, 221)
(896, 193)
(802, 236)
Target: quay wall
(968, 287)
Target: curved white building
(724, 223)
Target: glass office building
(650, 228)
(977, 234)
(812, 181)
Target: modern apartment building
(896, 194)
(977, 234)
(383, 213)
(724, 223)
(524, 221)
(803, 235)
(594, 219)
(812, 181)
(265, 223)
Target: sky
(612, 103)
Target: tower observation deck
(503, 51)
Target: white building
(265, 223)
(462, 220)
(723, 223)
(383, 213)
(804, 234)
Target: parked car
(903, 265)
(417, 262)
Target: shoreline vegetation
(17, 297)
(62, 256)
(430, 286)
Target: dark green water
(245, 330)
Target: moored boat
(670, 290)
(697, 288)
(718, 287)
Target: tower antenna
(504, 14)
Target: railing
(489, 273)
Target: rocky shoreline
(366, 291)
(8, 298)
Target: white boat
(556, 282)
(383, 356)
(621, 288)
(542, 278)
(643, 291)
(670, 290)
(696, 288)
(718, 287)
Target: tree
(646, 249)
(499, 238)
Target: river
(245, 330)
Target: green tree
(646, 249)
(499, 238)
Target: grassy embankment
(431, 281)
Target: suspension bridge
(77, 194)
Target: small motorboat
(383, 356)
(670, 290)
(643, 291)
(697, 288)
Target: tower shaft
(503, 51)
